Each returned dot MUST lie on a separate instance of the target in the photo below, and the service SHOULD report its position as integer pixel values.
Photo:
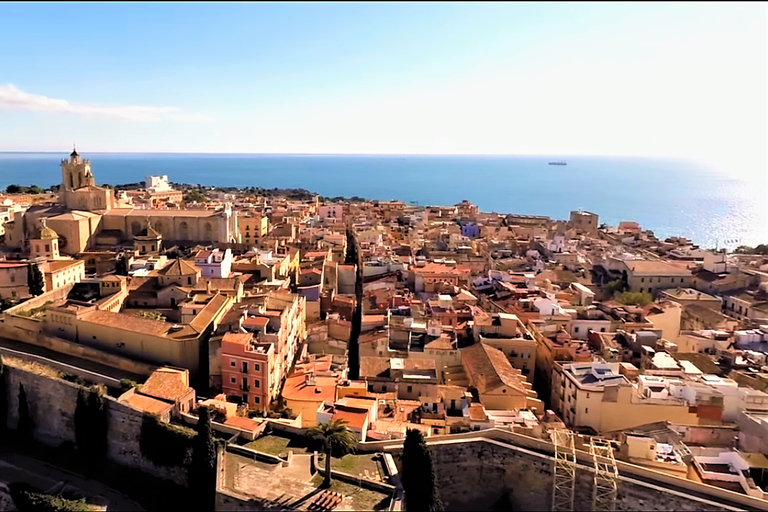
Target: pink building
(248, 370)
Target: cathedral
(90, 218)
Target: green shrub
(126, 384)
(635, 298)
(30, 499)
(164, 444)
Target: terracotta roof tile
(166, 384)
(354, 416)
(128, 322)
(147, 404)
(179, 267)
(494, 367)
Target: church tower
(78, 188)
(75, 173)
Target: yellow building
(599, 396)
(59, 273)
(251, 226)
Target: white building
(215, 263)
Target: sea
(671, 197)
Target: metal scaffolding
(565, 471)
(606, 475)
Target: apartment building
(598, 396)
(249, 370)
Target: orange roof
(243, 423)
(295, 388)
(255, 321)
(179, 267)
(127, 322)
(166, 384)
(242, 338)
(477, 412)
(147, 404)
(355, 417)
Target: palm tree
(336, 437)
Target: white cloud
(11, 97)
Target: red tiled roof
(354, 416)
(179, 267)
(147, 404)
(494, 367)
(166, 384)
(243, 423)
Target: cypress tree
(35, 280)
(91, 426)
(353, 348)
(202, 472)
(419, 475)
(25, 426)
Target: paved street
(69, 360)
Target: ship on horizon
(558, 162)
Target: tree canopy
(35, 280)
(336, 438)
(419, 482)
(21, 189)
(202, 472)
(635, 298)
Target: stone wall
(473, 474)
(52, 405)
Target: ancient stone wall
(474, 474)
(52, 405)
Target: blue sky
(651, 79)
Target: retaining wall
(474, 470)
(52, 404)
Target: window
(575, 329)
(410, 389)
(384, 388)
(256, 367)
(586, 410)
(257, 383)
(245, 367)
(233, 380)
(189, 280)
(641, 290)
(13, 279)
(642, 280)
(256, 400)
(602, 329)
(232, 363)
(47, 247)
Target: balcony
(245, 387)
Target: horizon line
(548, 155)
